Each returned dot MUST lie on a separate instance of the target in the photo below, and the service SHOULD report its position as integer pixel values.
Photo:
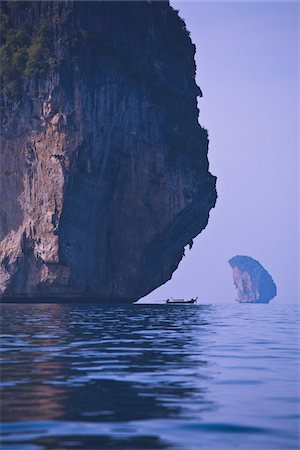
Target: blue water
(150, 377)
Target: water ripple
(149, 377)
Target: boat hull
(179, 302)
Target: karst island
(253, 282)
(104, 170)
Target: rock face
(253, 282)
(104, 169)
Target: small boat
(181, 301)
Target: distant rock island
(254, 284)
(104, 168)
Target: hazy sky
(247, 69)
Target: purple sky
(247, 69)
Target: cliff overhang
(105, 175)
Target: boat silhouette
(181, 301)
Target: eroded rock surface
(104, 169)
(254, 284)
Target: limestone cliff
(253, 282)
(104, 170)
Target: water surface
(150, 377)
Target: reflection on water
(149, 377)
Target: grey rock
(254, 284)
(105, 173)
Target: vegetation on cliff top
(24, 52)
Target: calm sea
(150, 377)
